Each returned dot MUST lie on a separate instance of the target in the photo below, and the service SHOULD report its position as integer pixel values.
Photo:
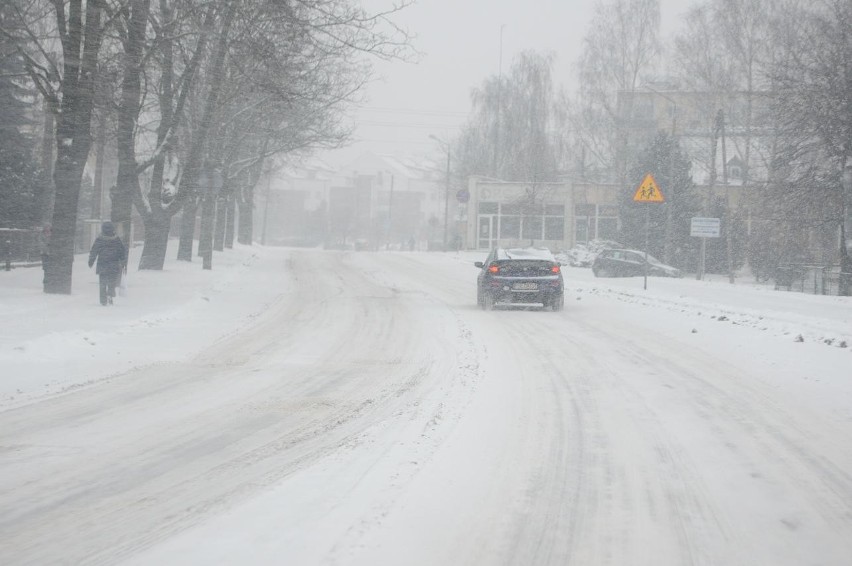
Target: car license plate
(525, 286)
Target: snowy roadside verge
(790, 315)
(800, 322)
(59, 342)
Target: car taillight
(555, 269)
(493, 269)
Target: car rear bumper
(502, 297)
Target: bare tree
(531, 115)
(621, 44)
(812, 76)
(68, 86)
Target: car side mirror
(478, 264)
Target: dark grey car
(630, 263)
(520, 277)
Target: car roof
(525, 253)
(651, 258)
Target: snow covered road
(367, 412)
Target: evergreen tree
(18, 171)
(670, 167)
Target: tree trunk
(221, 221)
(127, 184)
(205, 239)
(100, 154)
(229, 221)
(187, 230)
(81, 44)
(47, 190)
(156, 240)
(196, 152)
(68, 174)
(244, 234)
(158, 218)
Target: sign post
(704, 228)
(649, 193)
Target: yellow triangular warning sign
(648, 191)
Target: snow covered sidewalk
(53, 342)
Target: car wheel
(488, 301)
(479, 299)
(557, 302)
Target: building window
(583, 222)
(581, 229)
(595, 222)
(533, 226)
(488, 208)
(515, 222)
(554, 228)
(510, 227)
(734, 172)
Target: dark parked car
(525, 276)
(629, 263)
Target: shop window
(532, 227)
(554, 228)
(510, 209)
(488, 208)
(510, 227)
(581, 229)
(584, 210)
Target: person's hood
(108, 229)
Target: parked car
(629, 263)
(523, 276)
(583, 253)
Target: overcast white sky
(460, 45)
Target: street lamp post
(210, 183)
(447, 189)
(390, 215)
(845, 279)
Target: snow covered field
(310, 407)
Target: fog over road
(372, 414)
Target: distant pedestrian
(111, 256)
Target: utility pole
(729, 229)
(446, 190)
(667, 250)
(447, 199)
(497, 121)
(714, 137)
(266, 209)
(667, 243)
(390, 215)
(845, 277)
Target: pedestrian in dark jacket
(111, 256)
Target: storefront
(553, 215)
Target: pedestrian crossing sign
(649, 191)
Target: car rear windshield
(527, 268)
